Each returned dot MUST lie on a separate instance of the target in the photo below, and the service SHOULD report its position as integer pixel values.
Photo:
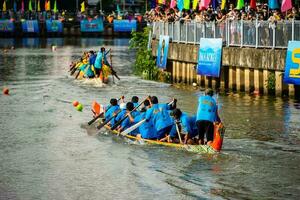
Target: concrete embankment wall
(243, 69)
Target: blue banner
(95, 25)
(125, 25)
(162, 51)
(30, 26)
(6, 26)
(209, 57)
(292, 63)
(54, 26)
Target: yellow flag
(195, 3)
(39, 6)
(223, 4)
(82, 7)
(4, 6)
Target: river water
(47, 151)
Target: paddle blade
(132, 128)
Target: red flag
(253, 4)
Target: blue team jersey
(109, 113)
(98, 61)
(88, 71)
(92, 59)
(207, 108)
(147, 129)
(158, 114)
(126, 123)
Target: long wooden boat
(213, 148)
(97, 82)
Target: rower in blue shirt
(114, 108)
(126, 123)
(146, 130)
(159, 116)
(100, 60)
(206, 116)
(187, 124)
(135, 101)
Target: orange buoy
(75, 103)
(6, 91)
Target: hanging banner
(54, 26)
(30, 26)
(162, 51)
(125, 25)
(6, 26)
(94, 25)
(292, 63)
(209, 57)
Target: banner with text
(125, 25)
(292, 63)
(209, 57)
(54, 26)
(94, 25)
(30, 26)
(162, 51)
(6, 26)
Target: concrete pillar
(188, 74)
(177, 72)
(247, 79)
(265, 80)
(198, 79)
(213, 83)
(174, 63)
(291, 90)
(238, 79)
(278, 83)
(230, 78)
(256, 80)
(183, 75)
(206, 81)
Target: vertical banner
(54, 26)
(30, 26)
(292, 63)
(162, 51)
(6, 26)
(209, 57)
(94, 25)
(125, 25)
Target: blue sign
(124, 25)
(30, 26)
(54, 26)
(292, 63)
(209, 57)
(95, 25)
(162, 51)
(6, 26)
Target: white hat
(122, 106)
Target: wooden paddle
(131, 128)
(120, 121)
(101, 114)
(178, 132)
(113, 72)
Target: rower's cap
(176, 113)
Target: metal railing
(240, 33)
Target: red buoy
(5, 91)
(75, 103)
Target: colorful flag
(55, 7)
(186, 4)
(39, 6)
(30, 6)
(240, 4)
(180, 4)
(204, 4)
(286, 5)
(82, 7)
(47, 6)
(214, 4)
(153, 3)
(118, 10)
(162, 2)
(253, 4)
(273, 4)
(223, 4)
(173, 4)
(22, 6)
(195, 4)
(15, 6)
(4, 6)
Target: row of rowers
(161, 119)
